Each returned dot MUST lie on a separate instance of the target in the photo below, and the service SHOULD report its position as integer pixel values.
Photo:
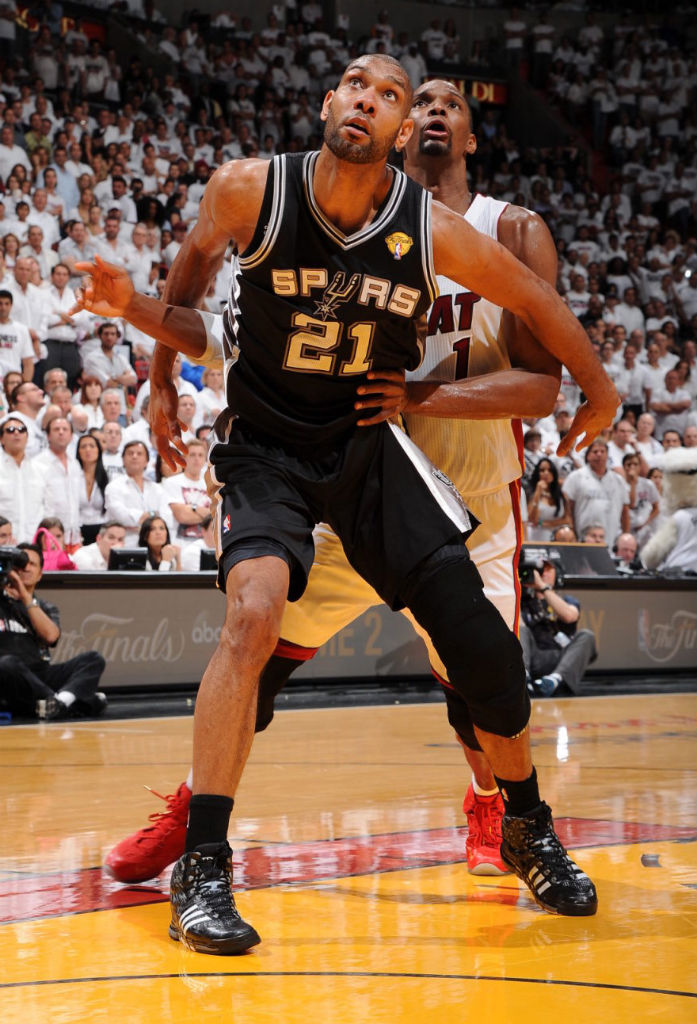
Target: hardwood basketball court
(349, 843)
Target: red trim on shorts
(286, 649)
(514, 488)
(443, 682)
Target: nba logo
(226, 523)
(398, 251)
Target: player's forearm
(500, 395)
(176, 327)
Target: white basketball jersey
(465, 339)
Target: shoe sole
(215, 947)
(488, 869)
(131, 878)
(572, 910)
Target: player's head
(442, 124)
(367, 114)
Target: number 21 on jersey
(311, 347)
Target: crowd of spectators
(103, 152)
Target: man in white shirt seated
(112, 369)
(95, 557)
(131, 498)
(670, 405)
(191, 553)
(188, 496)
(111, 455)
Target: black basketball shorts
(387, 503)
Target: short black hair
(4, 294)
(25, 546)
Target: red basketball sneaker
(483, 846)
(146, 853)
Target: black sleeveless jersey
(312, 310)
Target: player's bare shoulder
(526, 235)
(234, 195)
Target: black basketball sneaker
(204, 915)
(530, 847)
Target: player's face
(442, 123)
(365, 115)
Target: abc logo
(202, 633)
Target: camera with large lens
(535, 558)
(11, 558)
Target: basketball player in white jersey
(480, 363)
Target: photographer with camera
(29, 684)
(554, 652)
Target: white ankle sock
(483, 792)
(190, 780)
(65, 697)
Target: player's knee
(251, 627)
(482, 656)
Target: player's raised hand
(387, 393)
(106, 291)
(589, 421)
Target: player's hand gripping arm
(229, 210)
(486, 267)
(529, 388)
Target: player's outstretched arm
(528, 388)
(486, 267)
(229, 210)
(107, 290)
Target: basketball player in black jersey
(434, 157)
(319, 302)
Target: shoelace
(156, 817)
(557, 864)
(214, 889)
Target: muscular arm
(531, 386)
(486, 267)
(229, 210)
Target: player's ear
(326, 105)
(471, 144)
(404, 134)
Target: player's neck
(349, 195)
(446, 182)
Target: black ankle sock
(520, 797)
(209, 817)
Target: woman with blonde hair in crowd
(163, 556)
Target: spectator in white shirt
(16, 348)
(63, 477)
(22, 485)
(28, 305)
(60, 330)
(95, 557)
(11, 153)
(113, 369)
(191, 554)
(628, 313)
(188, 496)
(139, 260)
(131, 498)
(111, 247)
(597, 496)
(621, 444)
(645, 443)
(111, 455)
(670, 405)
(34, 248)
(41, 216)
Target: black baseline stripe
(407, 976)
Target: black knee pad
(276, 674)
(482, 656)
